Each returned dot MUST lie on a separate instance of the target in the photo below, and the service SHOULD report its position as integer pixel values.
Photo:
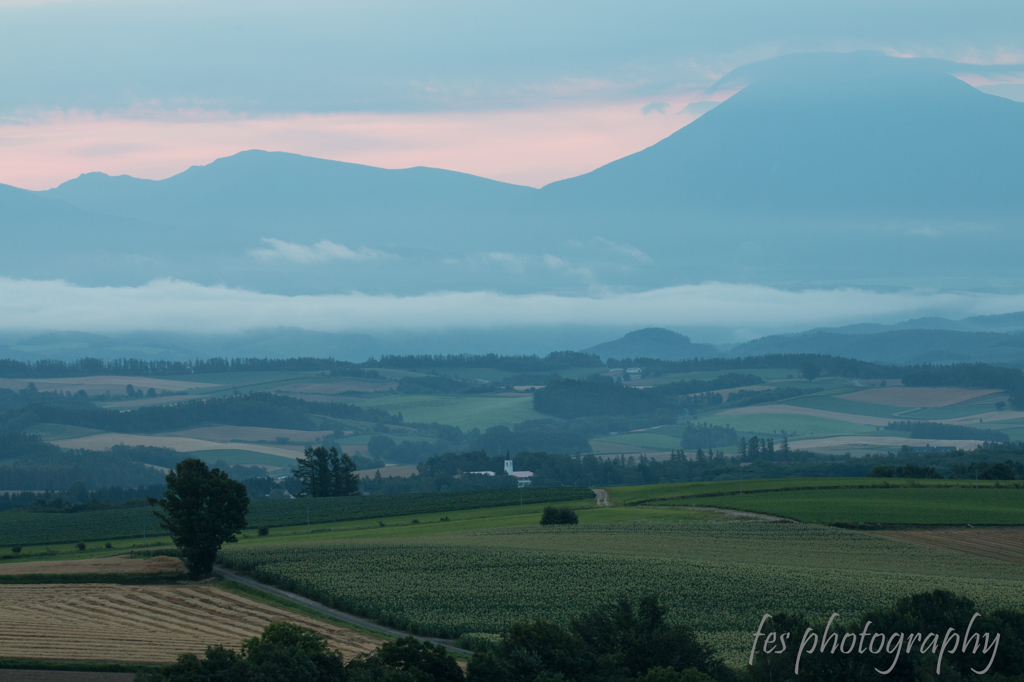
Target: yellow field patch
(142, 624)
(104, 441)
(907, 396)
(115, 564)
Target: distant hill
(1008, 322)
(904, 347)
(654, 342)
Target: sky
(525, 92)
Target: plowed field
(142, 624)
(996, 543)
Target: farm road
(601, 497)
(334, 613)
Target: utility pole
(520, 499)
(307, 520)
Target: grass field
(466, 412)
(717, 577)
(143, 624)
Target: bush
(263, 530)
(109, 546)
(16, 549)
(882, 471)
(80, 546)
(558, 515)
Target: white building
(523, 477)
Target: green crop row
(33, 528)
(719, 578)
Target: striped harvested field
(996, 543)
(142, 624)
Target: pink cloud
(530, 147)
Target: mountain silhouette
(822, 169)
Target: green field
(646, 439)
(34, 528)
(986, 506)
(243, 457)
(717, 577)
(465, 411)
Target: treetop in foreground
(202, 509)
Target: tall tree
(326, 473)
(202, 509)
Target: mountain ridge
(823, 169)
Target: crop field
(30, 528)
(466, 412)
(986, 506)
(716, 577)
(1006, 544)
(142, 624)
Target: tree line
(250, 409)
(769, 459)
(934, 430)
